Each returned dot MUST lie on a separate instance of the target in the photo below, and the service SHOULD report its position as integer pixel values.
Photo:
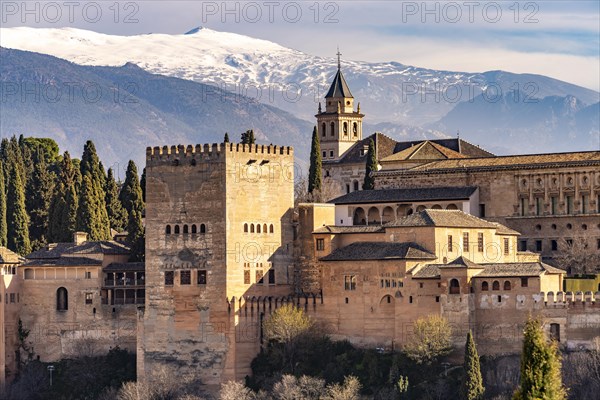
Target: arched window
(245, 228)
(454, 286)
(323, 129)
(373, 216)
(271, 229)
(355, 185)
(257, 228)
(355, 129)
(359, 217)
(345, 128)
(186, 229)
(265, 228)
(62, 299)
(332, 126)
(177, 229)
(496, 285)
(202, 228)
(251, 228)
(484, 286)
(194, 228)
(168, 230)
(506, 285)
(451, 206)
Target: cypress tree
(116, 213)
(226, 138)
(3, 227)
(472, 383)
(248, 137)
(540, 366)
(314, 172)
(131, 192)
(16, 214)
(90, 163)
(91, 213)
(39, 192)
(369, 183)
(63, 208)
(135, 236)
(143, 185)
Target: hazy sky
(560, 39)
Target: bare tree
(303, 388)
(431, 339)
(329, 190)
(233, 390)
(349, 390)
(162, 384)
(578, 256)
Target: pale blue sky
(556, 38)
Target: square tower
(218, 232)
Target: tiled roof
(405, 195)
(461, 262)
(9, 257)
(492, 270)
(379, 251)
(339, 87)
(384, 147)
(509, 162)
(445, 218)
(458, 145)
(505, 230)
(426, 271)
(63, 262)
(120, 267)
(426, 150)
(350, 229)
(56, 250)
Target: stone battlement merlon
(167, 152)
(550, 298)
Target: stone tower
(218, 233)
(339, 126)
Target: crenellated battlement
(212, 150)
(569, 298)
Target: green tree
(131, 192)
(226, 138)
(47, 146)
(92, 217)
(314, 172)
(371, 167)
(472, 383)
(540, 366)
(117, 215)
(135, 236)
(248, 137)
(430, 339)
(3, 227)
(90, 163)
(63, 208)
(143, 185)
(16, 214)
(39, 191)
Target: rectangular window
(522, 245)
(570, 242)
(320, 244)
(12, 297)
(449, 243)
(506, 246)
(598, 244)
(524, 282)
(437, 299)
(331, 153)
(538, 245)
(185, 277)
(89, 297)
(88, 275)
(350, 282)
(584, 204)
(569, 201)
(259, 276)
(538, 206)
(554, 202)
(482, 210)
(524, 206)
(554, 245)
(480, 242)
(421, 285)
(271, 276)
(324, 154)
(246, 277)
(202, 277)
(169, 278)
(466, 242)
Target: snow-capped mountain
(391, 94)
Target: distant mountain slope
(125, 109)
(394, 96)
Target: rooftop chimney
(80, 237)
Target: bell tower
(339, 126)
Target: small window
(202, 228)
(324, 154)
(320, 244)
(202, 277)
(12, 298)
(259, 276)
(506, 246)
(89, 297)
(271, 276)
(555, 332)
(347, 300)
(186, 229)
(168, 230)
(169, 278)
(454, 286)
(420, 285)
(523, 245)
(194, 228)
(265, 228)
(437, 299)
(176, 229)
(466, 242)
(481, 210)
(271, 229)
(246, 277)
(496, 285)
(524, 282)
(185, 277)
(257, 228)
(62, 299)
(410, 299)
(251, 228)
(88, 275)
(484, 286)
(499, 299)
(350, 282)
(245, 228)
(538, 245)
(554, 245)
(506, 285)
(450, 243)
(331, 153)
(480, 242)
